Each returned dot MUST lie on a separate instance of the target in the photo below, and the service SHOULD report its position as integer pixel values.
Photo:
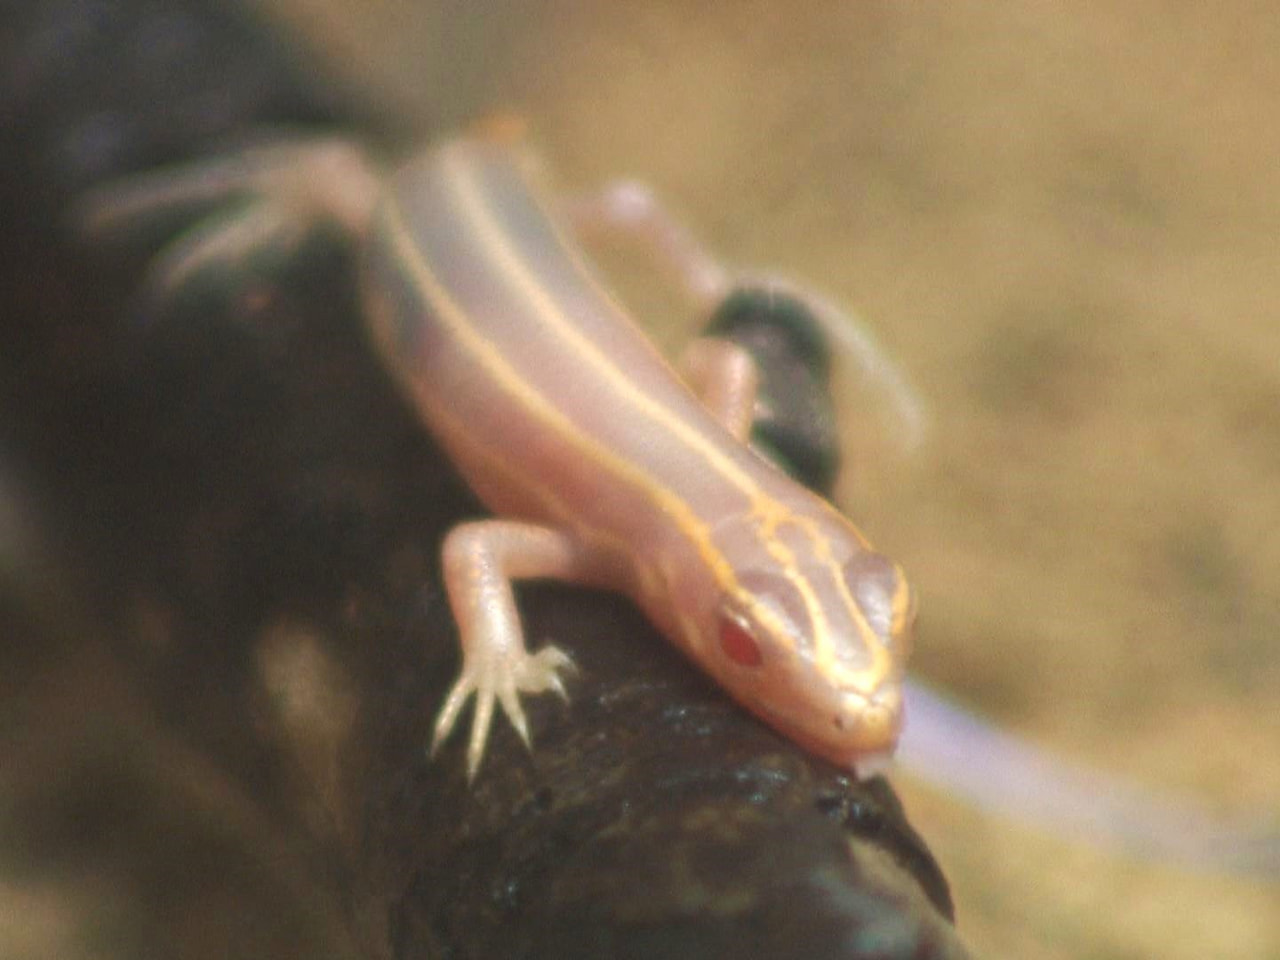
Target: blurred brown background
(1063, 223)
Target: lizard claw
(498, 679)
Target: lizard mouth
(862, 730)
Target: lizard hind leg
(241, 210)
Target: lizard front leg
(481, 560)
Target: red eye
(738, 645)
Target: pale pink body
(609, 471)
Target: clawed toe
(499, 681)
